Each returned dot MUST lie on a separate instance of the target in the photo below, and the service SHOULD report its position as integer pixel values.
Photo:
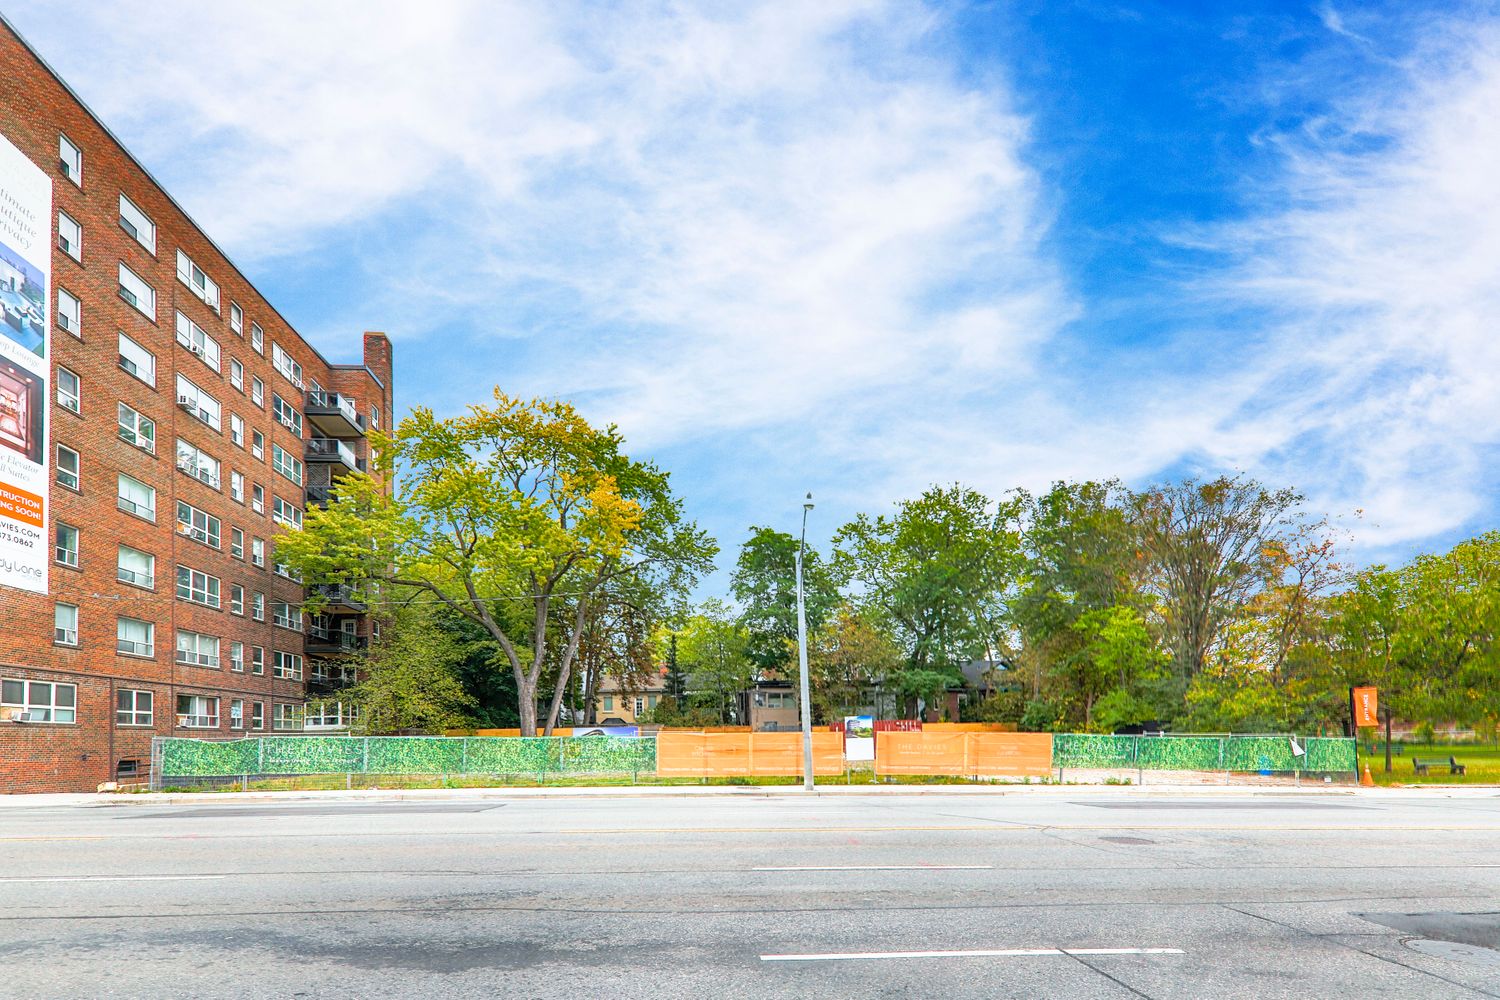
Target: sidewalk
(126, 800)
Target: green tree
(499, 514)
(714, 648)
(409, 677)
(765, 585)
(1117, 657)
(846, 655)
(937, 574)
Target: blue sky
(857, 247)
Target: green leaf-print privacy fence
(1202, 753)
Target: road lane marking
(875, 868)
(987, 953)
(112, 878)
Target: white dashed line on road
(991, 953)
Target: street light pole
(805, 701)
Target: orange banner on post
(1366, 702)
(1000, 755)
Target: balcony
(321, 639)
(339, 595)
(333, 415)
(319, 496)
(337, 454)
(326, 678)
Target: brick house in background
(188, 422)
(618, 705)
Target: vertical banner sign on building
(1366, 706)
(25, 274)
(859, 737)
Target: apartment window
(198, 587)
(197, 524)
(197, 712)
(286, 615)
(282, 569)
(67, 467)
(289, 369)
(287, 717)
(236, 319)
(197, 649)
(198, 403)
(70, 160)
(287, 666)
(136, 429)
(284, 514)
(47, 702)
(257, 552)
(236, 713)
(237, 657)
(66, 549)
(257, 498)
(640, 706)
(236, 600)
(69, 312)
(135, 567)
(65, 624)
(236, 375)
(257, 661)
(197, 341)
(200, 284)
(374, 415)
(135, 637)
(198, 464)
(285, 463)
(237, 487)
(137, 224)
(135, 497)
(69, 236)
(258, 445)
(257, 338)
(257, 391)
(237, 543)
(286, 414)
(609, 703)
(133, 289)
(137, 360)
(236, 431)
(258, 606)
(69, 391)
(257, 715)
(133, 708)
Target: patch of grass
(1482, 762)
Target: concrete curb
(732, 791)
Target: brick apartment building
(187, 422)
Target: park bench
(1377, 750)
(1421, 764)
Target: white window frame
(237, 543)
(135, 647)
(133, 356)
(63, 473)
(32, 703)
(236, 656)
(135, 577)
(287, 717)
(257, 606)
(199, 464)
(128, 710)
(237, 430)
(236, 319)
(197, 649)
(69, 236)
(197, 587)
(69, 160)
(257, 552)
(236, 600)
(285, 513)
(236, 713)
(138, 292)
(257, 392)
(284, 363)
(145, 509)
(198, 403)
(202, 713)
(197, 341)
(70, 312)
(286, 414)
(197, 281)
(236, 375)
(258, 339)
(71, 397)
(207, 534)
(135, 428)
(287, 615)
(62, 633)
(257, 715)
(257, 660)
(137, 224)
(64, 556)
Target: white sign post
(859, 737)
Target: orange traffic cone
(1365, 779)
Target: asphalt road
(1087, 894)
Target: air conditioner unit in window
(286, 422)
(196, 349)
(187, 401)
(28, 717)
(297, 382)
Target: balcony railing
(333, 450)
(339, 595)
(334, 414)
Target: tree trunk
(526, 703)
(1387, 710)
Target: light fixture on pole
(805, 700)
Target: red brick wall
(34, 108)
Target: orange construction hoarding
(1014, 755)
(722, 755)
(1366, 704)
